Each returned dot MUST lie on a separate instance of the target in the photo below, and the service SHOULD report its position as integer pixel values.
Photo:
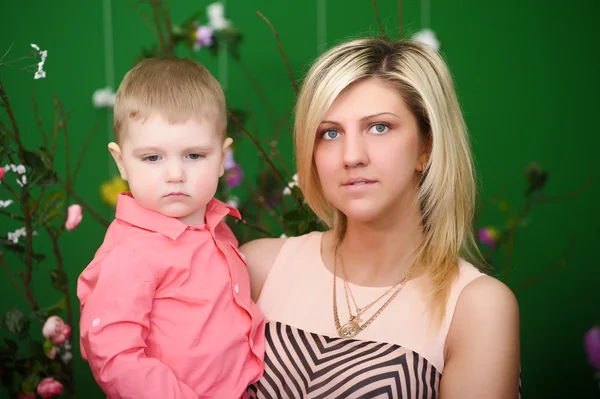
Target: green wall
(527, 77)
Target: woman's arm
(482, 347)
(260, 255)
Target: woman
(384, 303)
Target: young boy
(165, 303)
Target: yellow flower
(110, 190)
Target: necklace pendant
(349, 329)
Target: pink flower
(49, 388)
(2, 173)
(234, 176)
(30, 395)
(74, 216)
(56, 330)
(204, 37)
(488, 236)
(592, 347)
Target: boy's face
(172, 169)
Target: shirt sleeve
(114, 326)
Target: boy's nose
(174, 172)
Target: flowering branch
(258, 146)
(285, 60)
(377, 16)
(83, 203)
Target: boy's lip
(176, 194)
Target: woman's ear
(115, 151)
(426, 147)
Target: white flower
(22, 181)
(216, 16)
(40, 73)
(14, 237)
(4, 204)
(66, 356)
(427, 37)
(282, 236)
(104, 98)
(233, 202)
(292, 184)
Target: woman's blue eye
(380, 128)
(330, 134)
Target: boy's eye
(151, 158)
(196, 156)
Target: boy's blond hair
(178, 89)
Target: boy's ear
(226, 144)
(115, 151)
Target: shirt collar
(128, 210)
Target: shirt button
(236, 288)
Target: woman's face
(368, 153)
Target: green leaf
(15, 322)
(50, 208)
(42, 172)
(60, 281)
(30, 383)
(54, 309)
(18, 249)
(48, 346)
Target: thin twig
(83, 203)
(168, 25)
(156, 16)
(67, 159)
(82, 153)
(399, 19)
(377, 16)
(258, 146)
(561, 262)
(14, 280)
(570, 194)
(285, 60)
(6, 53)
(13, 122)
(145, 19)
(257, 228)
(12, 191)
(11, 215)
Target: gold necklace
(352, 327)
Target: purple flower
(229, 161)
(488, 236)
(592, 347)
(204, 37)
(234, 176)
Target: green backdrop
(526, 73)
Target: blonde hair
(447, 189)
(179, 89)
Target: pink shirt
(166, 309)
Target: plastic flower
(4, 204)
(592, 347)
(49, 388)
(111, 189)
(427, 37)
(74, 216)
(234, 176)
(56, 330)
(216, 16)
(40, 73)
(203, 36)
(488, 236)
(104, 98)
(2, 173)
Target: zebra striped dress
(397, 356)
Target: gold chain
(352, 328)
